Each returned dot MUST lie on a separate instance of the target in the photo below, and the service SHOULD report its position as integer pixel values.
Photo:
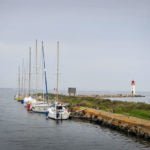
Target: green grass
(144, 114)
(140, 110)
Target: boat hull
(19, 99)
(39, 110)
(43, 108)
(58, 115)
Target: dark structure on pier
(71, 91)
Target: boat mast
(42, 73)
(57, 88)
(22, 78)
(25, 94)
(44, 69)
(36, 62)
(29, 71)
(18, 80)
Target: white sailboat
(28, 100)
(42, 106)
(58, 111)
(18, 96)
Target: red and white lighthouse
(133, 87)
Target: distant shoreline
(112, 95)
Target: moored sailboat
(41, 107)
(28, 100)
(57, 110)
(19, 96)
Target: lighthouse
(133, 87)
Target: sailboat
(18, 96)
(57, 110)
(28, 100)
(41, 107)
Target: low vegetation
(140, 110)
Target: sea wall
(129, 125)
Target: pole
(25, 82)
(29, 71)
(18, 80)
(36, 62)
(57, 89)
(45, 72)
(22, 80)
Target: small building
(71, 91)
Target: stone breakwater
(129, 125)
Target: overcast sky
(104, 44)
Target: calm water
(20, 130)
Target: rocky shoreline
(130, 125)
